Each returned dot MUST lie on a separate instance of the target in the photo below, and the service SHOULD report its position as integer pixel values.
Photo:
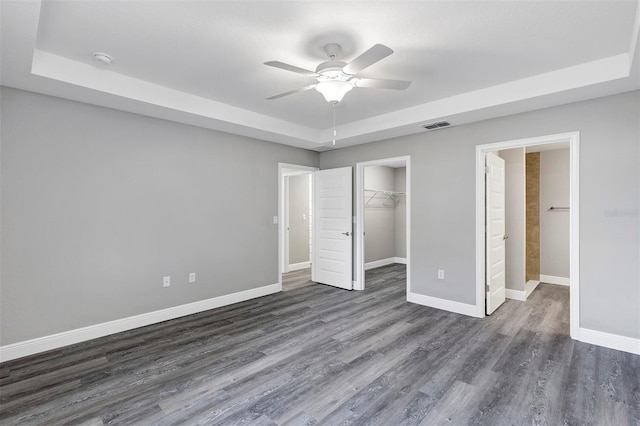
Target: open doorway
(295, 212)
(537, 217)
(540, 176)
(383, 226)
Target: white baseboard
(379, 263)
(515, 294)
(299, 266)
(529, 286)
(550, 279)
(54, 341)
(384, 262)
(444, 304)
(612, 341)
(522, 295)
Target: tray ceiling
(201, 63)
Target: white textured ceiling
(202, 62)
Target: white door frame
(574, 215)
(282, 208)
(358, 232)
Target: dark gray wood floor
(319, 355)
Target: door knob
(346, 233)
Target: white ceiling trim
(224, 117)
(100, 79)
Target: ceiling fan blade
(302, 89)
(377, 83)
(292, 68)
(368, 58)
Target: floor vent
(438, 125)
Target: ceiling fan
(336, 78)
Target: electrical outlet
(166, 281)
(441, 274)
(192, 277)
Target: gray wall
(443, 202)
(298, 219)
(379, 221)
(554, 225)
(98, 205)
(514, 217)
(400, 233)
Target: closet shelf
(382, 195)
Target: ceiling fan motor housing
(332, 70)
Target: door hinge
(486, 288)
(486, 170)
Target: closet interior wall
(384, 215)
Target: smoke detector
(102, 58)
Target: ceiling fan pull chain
(333, 105)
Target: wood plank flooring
(314, 354)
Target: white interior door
(495, 226)
(332, 230)
(285, 222)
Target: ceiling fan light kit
(333, 90)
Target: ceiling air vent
(438, 125)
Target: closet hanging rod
(387, 195)
(558, 208)
(386, 192)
